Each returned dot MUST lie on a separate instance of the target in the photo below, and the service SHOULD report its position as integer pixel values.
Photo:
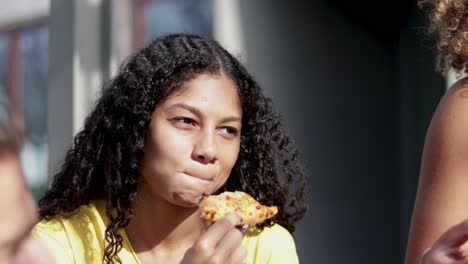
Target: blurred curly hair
(448, 21)
(103, 161)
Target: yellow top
(80, 239)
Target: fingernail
(240, 216)
(243, 229)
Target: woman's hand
(450, 248)
(221, 243)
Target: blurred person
(182, 118)
(442, 195)
(17, 246)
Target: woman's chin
(188, 199)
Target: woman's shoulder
(79, 238)
(84, 217)
(74, 236)
(273, 244)
(271, 237)
(451, 116)
(456, 91)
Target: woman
(442, 197)
(181, 119)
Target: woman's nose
(204, 149)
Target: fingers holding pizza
(226, 213)
(221, 243)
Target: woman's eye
(184, 121)
(230, 131)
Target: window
(154, 18)
(23, 82)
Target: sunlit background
(24, 54)
(24, 51)
(355, 87)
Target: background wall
(357, 90)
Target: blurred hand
(18, 215)
(451, 248)
(221, 243)
(18, 209)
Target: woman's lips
(200, 177)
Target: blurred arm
(442, 196)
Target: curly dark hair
(449, 22)
(104, 160)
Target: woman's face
(193, 141)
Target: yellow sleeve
(275, 245)
(281, 246)
(54, 237)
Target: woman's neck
(159, 226)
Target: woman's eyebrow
(187, 107)
(199, 113)
(231, 119)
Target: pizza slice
(215, 207)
